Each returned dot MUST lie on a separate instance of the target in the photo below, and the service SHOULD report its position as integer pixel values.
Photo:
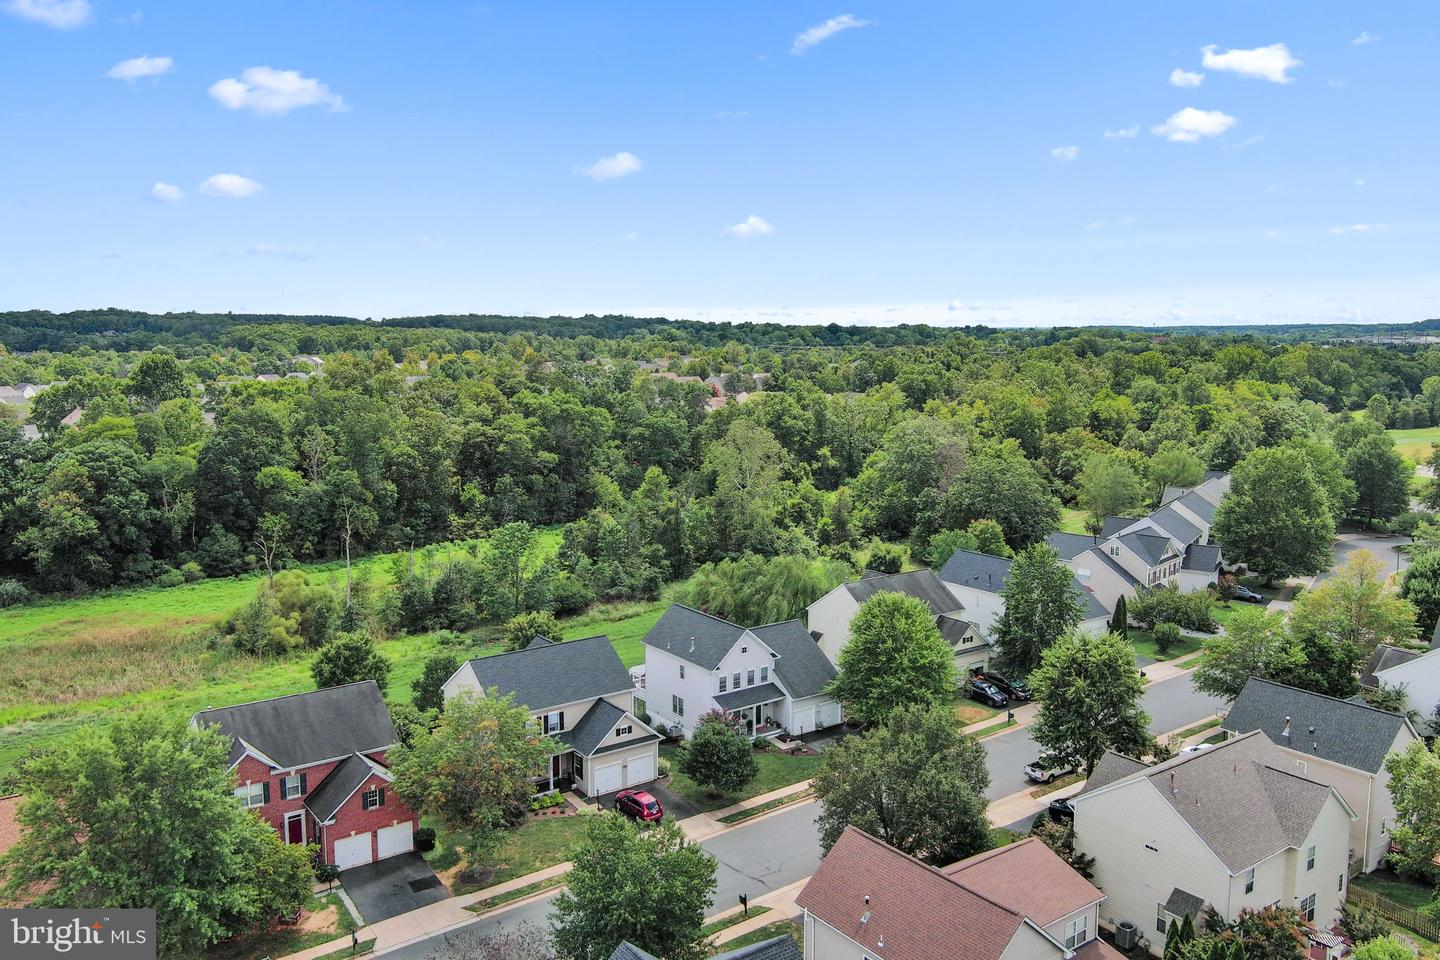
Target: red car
(638, 805)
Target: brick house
(312, 765)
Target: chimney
(1285, 733)
(1173, 789)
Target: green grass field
(69, 664)
(1072, 520)
(776, 770)
(1414, 445)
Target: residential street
(1382, 545)
(780, 849)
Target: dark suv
(1014, 689)
(987, 693)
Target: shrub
(425, 839)
(886, 558)
(169, 577)
(329, 873)
(1169, 605)
(192, 571)
(570, 594)
(12, 593)
(547, 801)
(1167, 635)
(1361, 924)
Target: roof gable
(801, 665)
(548, 675)
(1149, 547)
(1174, 523)
(1028, 878)
(306, 728)
(1354, 735)
(693, 636)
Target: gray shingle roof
(1111, 766)
(802, 666)
(1181, 903)
(1201, 556)
(953, 629)
(749, 696)
(348, 774)
(1113, 525)
(1172, 493)
(597, 723)
(1199, 506)
(628, 951)
(552, 674)
(923, 585)
(979, 571)
(1070, 545)
(539, 641)
(1383, 658)
(1172, 522)
(776, 948)
(693, 636)
(1150, 547)
(1239, 797)
(1352, 734)
(306, 728)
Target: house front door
(295, 828)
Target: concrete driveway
(675, 806)
(390, 887)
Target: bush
(520, 629)
(547, 801)
(886, 559)
(1361, 924)
(425, 839)
(664, 766)
(1167, 635)
(169, 577)
(192, 571)
(13, 593)
(570, 594)
(329, 873)
(1168, 605)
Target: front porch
(755, 710)
(562, 772)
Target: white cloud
(271, 91)
(229, 185)
(1185, 78)
(613, 167)
(271, 250)
(1271, 63)
(819, 33)
(1357, 228)
(137, 67)
(1366, 37)
(60, 14)
(751, 226)
(164, 192)
(1123, 133)
(1190, 125)
(1066, 153)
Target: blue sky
(930, 162)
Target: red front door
(294, 830)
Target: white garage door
(607, 779)
(803, 721)
(352, 851)
(396, 839)
(829, 713)
(639, 770)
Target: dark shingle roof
(628, 951)
(749, 696)
(1351, 734)
(1199, 506)
(1150, 547)
(694, 636)
(552, 674)
(1111, 766)
(1201, 556)
(801, 665)
(953, 629)
(306, 728)
(1383, 658)
(923, 585)
(776, 948)
(597, 723)
(1174, 523)
(1070, 545)
(539, 641)
(1113, 525)
(348, 774)
(1182, 903)
(979, 571)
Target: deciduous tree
(1255, 644)
(718, 756)
(349, 658)
(1275, 519)
(895, 657)
(1041, 603)
(1089, 693)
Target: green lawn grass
(1072, 520)
(1415, 445)
(1144, 643)
(624, 623)
(767, 932)
(280, 940)
(1386, 884)
(776, 770)
(534, 845)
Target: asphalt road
(1171, 704)
(1383, 546)
(758, 859)
(778, 850)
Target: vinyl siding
(662, 680)
(1107, 585)
(830, 617)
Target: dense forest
(159, 453)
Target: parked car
(1060, 810)
(1046, 769)
(638, 805)
(1014, 689)
(1246, 595)
(987, 693)
(1196, 748)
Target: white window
(1162, 919)
(744, 649)
(291, 787)
(723, 681)
(735, 680)
(1077, 931)
(623, 731)
(1083, 574)
(372, 798)
(554, 722)
(749, 678)
(682, 671)
(764, 674)
(1310, 859)
(1302, 766)
(251, 795)
(1307, 908)
(677, 705)
(1250, 880)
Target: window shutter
(382, 798)
(265, 791)
(562, 719)
(303, 789)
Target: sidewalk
(708, 824)
(782, 907)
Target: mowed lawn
(1415, 445)
(69, 664)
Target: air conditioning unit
(1126, 935)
